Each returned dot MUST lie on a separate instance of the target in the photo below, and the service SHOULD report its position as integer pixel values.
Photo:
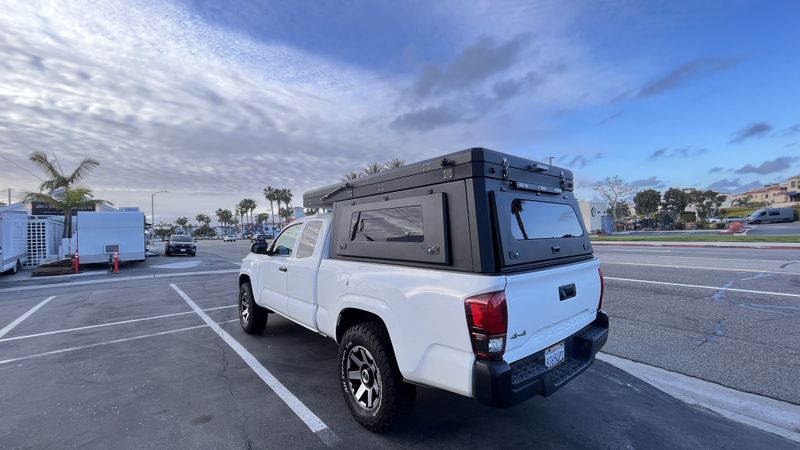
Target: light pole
(153, 210)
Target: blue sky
(213, 100)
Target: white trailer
(100, 234)
(13, 240)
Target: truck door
(272, 272)
(301, 279)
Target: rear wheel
(252, 317)
(370, 380)
(16, 267)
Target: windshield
(180, 239)
(542, 220)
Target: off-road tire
(396, 397)
(255, 320)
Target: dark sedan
(180, 245)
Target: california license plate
(554, 355)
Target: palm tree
(287, 197)
(352, 176)
(373, 168)
(394, 163)
(269, 194)
(182, 222)
(60, 190)
(249, 206)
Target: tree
(647, 202)
(352, 176)
(182, 222)
(373, 168)
(269, 194)
(622, 210)
(613, 190)
(707, 203)
(60, 190)
(675, 202)
(203, 219)
(285, 213)
(261, 218)
(394, 163)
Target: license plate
(182, 250)
(554, 355)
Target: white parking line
(98, 344)
(27, 314)
(698, 286)
(314, 423)
(672, 266)
(110, 324)
(113, 279)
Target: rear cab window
(538, 230)
(308, 240)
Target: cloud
(791, 131)
(733, 185)
(680, 152)
(715, 170)
(474, 64)
(610, 117)
(652, 182)
(775, 165)
(754, 130)
(426, 119)
(581, 161)
(684, 73)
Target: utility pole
(551, 159)
(9, 196)
(153, 210)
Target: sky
(214, 100)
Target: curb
(759, 246)
(767, 414)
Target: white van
(771, 215)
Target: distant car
(259, 238)
(269, 236)
(180, 245)
(715, 220)
(734, 219)
(229, 238)
(771, 215)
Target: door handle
(283, 268)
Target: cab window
(284, 245)
(308, 240)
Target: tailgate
(547, 306)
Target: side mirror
(259, 248)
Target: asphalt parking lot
(124, 361)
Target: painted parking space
(151, 381)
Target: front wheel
(370, 380)
(252, 317)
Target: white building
(592, 214)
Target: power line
(24, 169)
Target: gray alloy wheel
(244, 308)
(364, 379)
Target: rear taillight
(487, 318)
(602, 288)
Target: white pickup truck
(422, 284)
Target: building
(592, 214)
(772, 194)
(793, 188)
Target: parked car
(471, 273)
(229, 238)
(259, 238)
(715, 220)
(269, 236)
(771, 215)
(180, 244)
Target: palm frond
(84, 168)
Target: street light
(153, 209)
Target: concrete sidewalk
(759, 245)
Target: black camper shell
(476, 210)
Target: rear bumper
(497, 383)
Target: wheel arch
(349, 317)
